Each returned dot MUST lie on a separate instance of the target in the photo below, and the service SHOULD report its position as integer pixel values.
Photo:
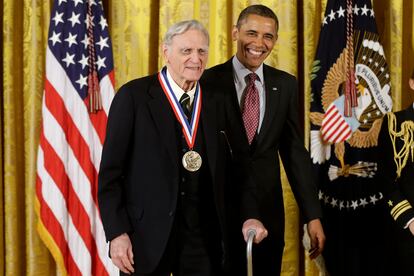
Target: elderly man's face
(186, 57)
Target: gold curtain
(136, 29)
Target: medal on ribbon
(191, 160)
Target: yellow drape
(136, 29)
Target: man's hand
(411, 227)
(121, 253)
(256, 225)
(317, 238)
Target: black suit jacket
(140, 167)
(281, 134)
(399, 199)
(397, 190)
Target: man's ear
(164, 49)
(411, 83)
(235, 33)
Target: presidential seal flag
(351, 92)
(78, 90)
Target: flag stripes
(71, 142)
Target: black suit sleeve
(113, 164)
(297, 162)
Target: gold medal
(192, 161)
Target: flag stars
(82, 81)
(364, 10)
(84, 61)
(103, 23)
(61, 1)
(341, 12)
(341, 205)
(372, 13)
(363, 202)
(356, 9)
(320, 195)
(373, 199)
(55, 38)
(71, 39)
(325, 21)
(74, 19)
(85, 41)
(76, 2)
(69, 59)
(354, 204)
(103, 42)
(58, 18)
(390, 203)
(387, 75)
(334, 202)
(326, 200)
(100, 62)
(331, 15)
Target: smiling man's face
(255, 38)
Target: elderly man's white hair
(183, 26)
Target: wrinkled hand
(411, 226)
(256, 225)
(121, 253)
(317, 238)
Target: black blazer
(397, 191)
(281, 134)
(139, 171)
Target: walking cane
(251, 233)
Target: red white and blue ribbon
(189, 128)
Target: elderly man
(161, 180)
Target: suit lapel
(232, 102)
(164, 120)
(272, 92)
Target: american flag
(78, 90)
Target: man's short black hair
(260, 10)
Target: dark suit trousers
(186, 253)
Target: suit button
(182, 193)
(171, 213)
(183, 179)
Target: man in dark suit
(396, 170)
(161, 179)
(262, 102)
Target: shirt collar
(178, 91)
(241, 71)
